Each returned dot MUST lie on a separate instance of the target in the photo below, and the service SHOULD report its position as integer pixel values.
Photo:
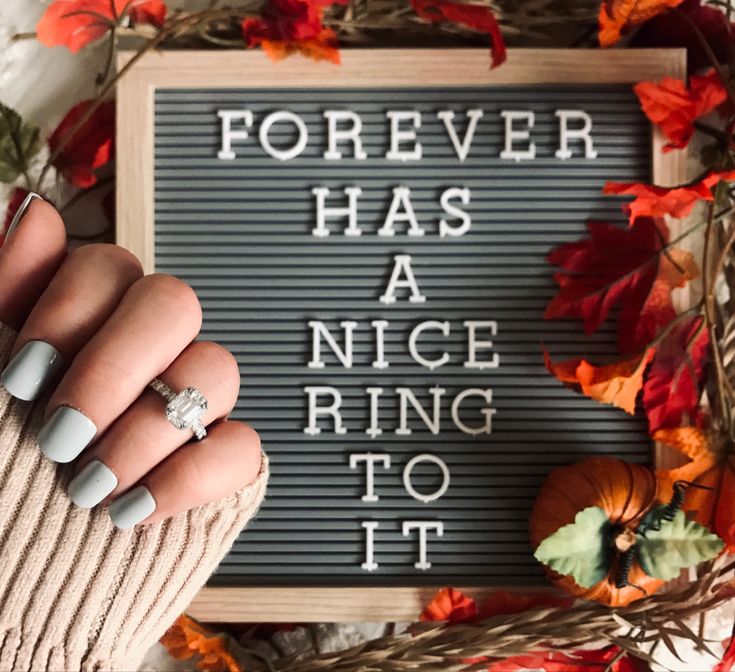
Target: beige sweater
(76, 593)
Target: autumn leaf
(653, 201)
(450, 605)
(76, 23)
(711, 465)
(617, 384)
(474, 17)
(674, 108)
(186, 639)
(593, 660)
(90, 147)
(19, 143)
(625, 268)
(505, 603)
(672, 30)
(672, 388)
(727, 664)
(617, 16)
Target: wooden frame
(359, 68)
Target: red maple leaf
(504, 603)
(672, 388)
(75, 23)
(653, 201)
(625, 268)
(289, 26)
(727, 664)
(674, 108)
(595, 660)
(474, 17)
(672, 30)
(450, 604)
(87, 149)
(17, 196)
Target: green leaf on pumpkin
(580, 549)
(19, 143)
(679, 543)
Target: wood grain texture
(360, 68)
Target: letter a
(402, 264)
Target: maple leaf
(671, 30)
(711, 465)
(474, 17)
(450, 605)
(678, 202)
(674, 108)
(76, 23)
(504, 603)
(618, 267)
(727, 664)
(617, 384)
(17, 196)
(617, 16)
(671, 391)
(89, 148)
(575, 661)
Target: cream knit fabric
(76, 593)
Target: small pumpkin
(624, 491)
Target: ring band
(184, 409)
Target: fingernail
(92, 484)
(66, 434)
(21, 211)
(27, 373)
(132, 507)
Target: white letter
(416, 332)
(462, 149)
(228, 135)
(274, 118)
(397, 136)
(318, 329)
(332, 410)
(380, 361)
(402, 262)
(333, 117)
(453, 211)
(370, 459)
(401, 197)
(407, 395)
(565, 134)
(487, 395)
(511, 135)
(473, 344)
(422, 526)
(322, 212)
(425, 457)
(374, 393)
(369, 525)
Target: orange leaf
(324, 47)
(616, 16)
(674, 108)
(652, 201)
(75, 23)
(187, 638)
(712, 465)
(617, 384)
(451, 605)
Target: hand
(95, 332)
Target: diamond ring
(185, 408)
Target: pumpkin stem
(624, 540)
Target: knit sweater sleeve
(76, 593)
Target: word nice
(344, 127)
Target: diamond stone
(186, 408)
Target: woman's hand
(95, 332)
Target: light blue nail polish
(132, 507)
(21, 211)
(66, 434)
(31, 369)
(92, 484)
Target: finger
(34, 248)
(143, 437)
(156, 319)
(79, 299)
(204, 471)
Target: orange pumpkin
(624, 491)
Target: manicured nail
(31, 369)
(132, 507)
(66, 434)
(92, 484)
(21, 211)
